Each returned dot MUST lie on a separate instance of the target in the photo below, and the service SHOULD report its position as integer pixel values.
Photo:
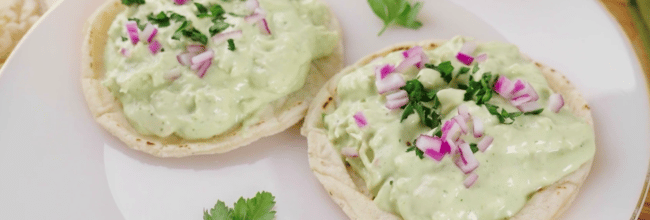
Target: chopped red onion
(528, 89)
(360, 119)
(449, 145)
(223, 37)
(464, 58)
(453, 133)
(149, 32)
(181, 2)
(350, 152)
(463, 111)
(434, 154)
(470, 180)
(481, 58)
(132, 30)
(125, 52)
(154, 47)
(424, 142)
(172, 74)
(195, 48)
(417, 51)
(529, 106)
(382, 71)
(467, 162)
(478, 127)
(461, 123)
(521, 100)
(203, 57)
(520, 85)
(264, 26)
(447, 126)
(555, 102)
(392, 82)
(196, 66)
(408, 63)
(397, 100)
(184, 59)
(485, 143)
(256, 16)
(204, 68)
(504, 87)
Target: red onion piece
(408, 63)
(149, 32)
(350, 152)
(504, 87)
(184, 59)
(196, 66)
(172, 74)
(195, 48)
(481, 58)
(125, 52)
(256, 16)
(447, 126)
(434, 154)
(360, 119)
(464, 58)
(397, 100)
(417, 51)
(252, 4)
(520, 85)
(555, 102)
(181, 2)
(264, 26)
(467, 163)
(470, 180)
(424, 142)
(132, 30)
(204, 68)
(463, 111)
(223, 37)
(529, 106)
(392, 82)
(382, 71)
(203, 57)
(453, 133)
(521, 100)
(477, 129)
(155, 47)
(485, 143)
(461, 123)
(396, 104)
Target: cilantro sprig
(256, 208)
(417, 95)
(481, 90)
(396, 11)
(132, 2)
(161, 19)
(445, 69)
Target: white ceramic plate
(57, 163)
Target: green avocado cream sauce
(533, 152)
(238, 86)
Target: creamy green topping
(246, 73)
(533, 152)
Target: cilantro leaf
(256, 208)
(463, 70)
(396, 11)
(220, 211)
(536, 112)
(125, 39)
(179, 32)
(407, 111)
(475, 68)
(132, 2)
(418, 152)
(195, 35)
(474, 147)
(176, 17)
(217, 11)
(445, 69)
(160, 19)
(202, 10)
(218, 27)
(503, 115)
(137, 21)
(231, 45)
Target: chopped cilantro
(418, 94)
(132, 2)
(160, 19)
(125, 39)
(218, 27)
(463, 70)
(503, 116)
(445, 69)
(176, 17)
(195, 35)
(179, 32)
(217, 11)
(474, 147)
(231, 45)
(481, 90)
(475, 68)
(202, 11)
(418, 152)
(257, 208)
(536, 112)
